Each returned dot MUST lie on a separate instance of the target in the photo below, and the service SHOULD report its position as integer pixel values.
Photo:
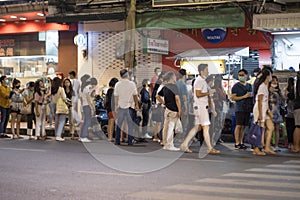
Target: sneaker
(85, 140)
(242, 146)
(171, 148)
(237, 146)
(59, 139)
(147, 136)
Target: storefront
(29, 47)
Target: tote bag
(255, 135)
(61, 107)
(26, 109)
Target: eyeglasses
(241, 74)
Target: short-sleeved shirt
(76, 88)
(240, 90)
(169, 91)
(39, 98)
(85, 94)
(201, 85)
(263, 90)
(125, 90)
(110, 102)
(182, 91)
(29, 94)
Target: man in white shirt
(201, 105)
(125, 94)
(76, 87)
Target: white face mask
(274, 85)
(132, 78)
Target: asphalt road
(69, 170)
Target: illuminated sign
(156, 46)
(214, 35)
(164, 3)
(6, 47)
(80, 40)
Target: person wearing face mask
(16, 104)
(276, 103)
(88, 108)
(4, 105)
(242, 95)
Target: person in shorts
(240, 92)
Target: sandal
(270, 152)
(295, 151)
(214, 151)
(188, 151)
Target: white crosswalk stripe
(276, 181)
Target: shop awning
(217, 52)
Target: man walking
(241, 94)
(201, 105)
(125, 95)
(172, 113)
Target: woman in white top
(57, 91)
(261, 111)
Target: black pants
(31, 118)
(145, 114)
(290, 127)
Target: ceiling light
(22, 18)
(40, 14)
(2, 20)
(13, 17)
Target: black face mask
(18, 87)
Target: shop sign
(6, 47)
(155, 46)
(164, 3)
(214, 35)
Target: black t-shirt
(297, 95)
(109, 104)
(169, 92)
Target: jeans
(87, 121)
(124, 115)
(4, 119)
(60, 120)
(41, 121)
(51, 113)
(171, 118)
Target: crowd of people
(176, 107)
(44, 99)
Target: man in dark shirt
(172, 113)
(241, 91)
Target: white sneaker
(171, 148)
(85, 140)
(147, 136)
(60, 139)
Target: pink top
(38, 98)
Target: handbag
(26, 109)
(61, 107)
(255, 135)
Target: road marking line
(267, 176)
(197, 160)
(293, 162)
(284, 166)
(230, 190)
(179, 196)
(110, 174)
(18, 149)
(285, 171)
(249, 183)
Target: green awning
(187, 19)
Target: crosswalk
(276, 181)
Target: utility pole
(130, 35)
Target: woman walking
(4, 105)
(57, 92)
(29, 98)
(16, 103)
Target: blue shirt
(240, 90)
(182, 91)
